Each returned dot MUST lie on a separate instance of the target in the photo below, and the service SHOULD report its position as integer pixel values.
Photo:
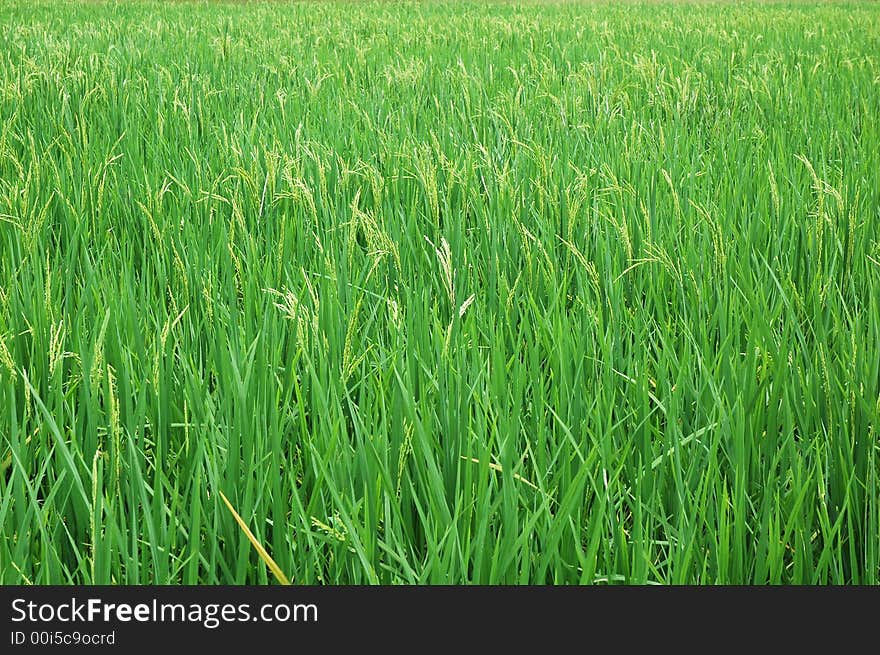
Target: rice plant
(439, 292)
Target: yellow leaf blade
(276, 570)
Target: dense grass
(440, 293)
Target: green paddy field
(439, 292)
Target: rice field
(439, 292)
